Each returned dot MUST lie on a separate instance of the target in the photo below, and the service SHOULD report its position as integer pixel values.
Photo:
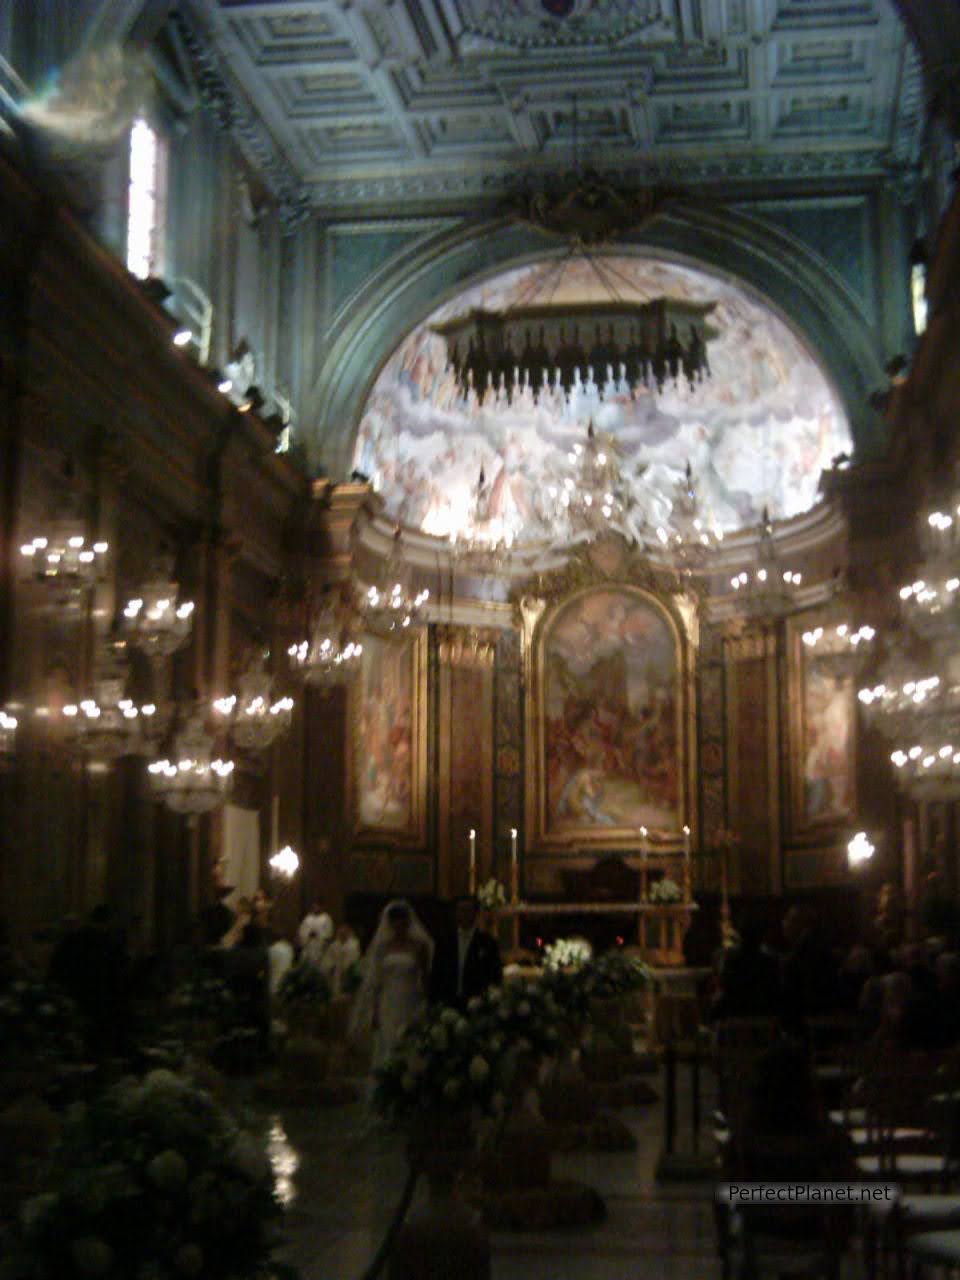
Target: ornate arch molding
(794, 280)
(934, 26)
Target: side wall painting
(607, 720)
(823, 738)
(389, 718)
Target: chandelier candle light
(155, 622)
(768, 591)
(395, 606)
(256, 719)
(64, 555)
(192, 782)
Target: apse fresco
(758, 432)
(611, 750)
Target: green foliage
(150, 1181)
(206, 999)
(303, 984)
(37, 1018)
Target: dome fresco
(758, 432)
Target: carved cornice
(232, 114)
(444, 186)
(590, 211)
(608, 560)
(467, 646)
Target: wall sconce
(859, 850)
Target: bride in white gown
(396, 969)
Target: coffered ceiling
(399, 103)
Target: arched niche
(787, 276)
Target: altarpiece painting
(389, 741)
(608, 705)
(823, 737)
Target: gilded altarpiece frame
(822, 697)
(388, 767)
(642, 644)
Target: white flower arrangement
(492, 895)
(665, 890)
(567, 953)
(152, 1178)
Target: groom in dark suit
(466, 962)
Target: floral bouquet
(37, 1018)
(303, 984)
(492, 895)
(567, 953)
(616, 974)
(151, 1181)
(665, 890)
(445, 1062)
(525, 1019)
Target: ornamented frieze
(466, 646)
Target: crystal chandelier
(689, 535)
(837, 646)
(915, 697)
(768, 592)
(482, 543)
(256, 719)
(596, 497)
(331, 655)
(62, 556)
(394, 606)
(109, 724)
(155, 622)
(193, 781)
(929, 603)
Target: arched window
(146, 200)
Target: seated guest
(786, 1136)
(808, 975)
(748, 979)
(856, 969)
(948, 1002)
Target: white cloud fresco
(757, 432)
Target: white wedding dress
(400, 1000)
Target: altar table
(660, 926)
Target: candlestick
(473, 861)
(514, 867)
(643, 869)
(686, 842)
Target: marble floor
(342, 1182)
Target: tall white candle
(686, 842)
(513, 846)
(473, 861)
(643, 841)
